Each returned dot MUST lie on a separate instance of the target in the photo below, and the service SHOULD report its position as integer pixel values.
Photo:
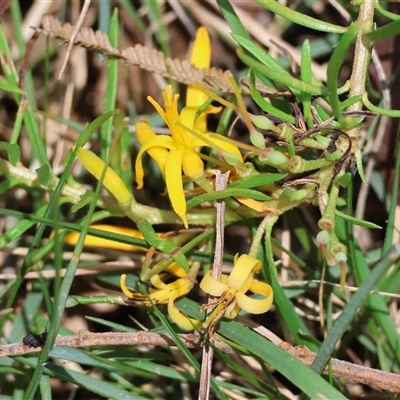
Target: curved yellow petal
(173, 180)
(157, 282)
(112, 181)
(157, 141)
(124, 288)
(144, 133)
(184, 322)
(244, 266)
(192, 164)
(232, 310)
(211, 286)
(256, 306)
(176, 270)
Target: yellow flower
(179, 151)
(232, 291)
(168, 293)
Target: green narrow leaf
(284, 79)
(299, 18)
(357, 221)
(111, 89)
(231, 18)
(256, 180)
(387, 31)
(264, 105)
(13, 152)
(9, 87)
(306, 76)
(334, 66)
(379, 110)
(312, 384)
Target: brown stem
(340, 369)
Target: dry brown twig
(83, 339)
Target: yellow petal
(256, 306)
(112, 181)
(232, 310)
(232, 154)
(255, 205)
(157, 141)
(201, 58)
(213, 287)
(184, 322)
(144, 133)
(244, 266)
(173, 180)
(124, 288)
(176, 270)
(192, 164)
(94, 241)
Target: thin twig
(343, 369)
(85, 339)
(221, 181)
(77, 27)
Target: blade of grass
(299, 18)
(350, 310)
(111, 89)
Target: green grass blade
(312, 384)
(299, 18)
(111, 90)
(351, 308)
(335, 64)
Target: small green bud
(274, 158)
(295, 195)
(257, 139)
(341, 257)
(262, 122)
(323, 238)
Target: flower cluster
(179, 158)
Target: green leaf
(283, 78)
(379, 110)
(161, 244)
(312, 384)
(356, 221)
(13, 152)
(387, 31)
(360, 298)
(111, 89)
(93, 127)
(223, 194)
(299, 18)
(306, 76)
(9, 87)
(264, 105)
(45, 174)
(334, 66)
(257, 180)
